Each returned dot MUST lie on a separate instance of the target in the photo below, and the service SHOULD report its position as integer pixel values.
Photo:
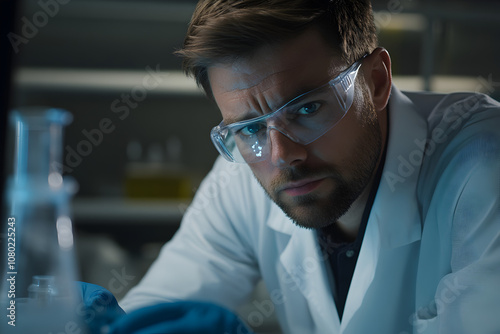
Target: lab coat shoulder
(459, 195)
(463, 133)
(212, 256)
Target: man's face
(314, 184)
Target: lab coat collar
(395, 209)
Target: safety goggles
(303, 120)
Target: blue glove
(99, 307)
(184, 317)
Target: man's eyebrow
(298, 95)
(290, 100)
(246, 117)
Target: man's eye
(308, 108)
(251, 129)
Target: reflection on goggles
(304, 119)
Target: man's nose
(284, 151)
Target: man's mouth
(302, 187)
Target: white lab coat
(430, 258)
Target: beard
(314, 211)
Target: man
(363, 209)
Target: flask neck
(39, 138)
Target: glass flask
(38, 291)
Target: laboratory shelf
(130, 223)
(151, 78)
(128, 211)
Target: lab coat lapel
(363, 273)
(394, 220)
(303, 262)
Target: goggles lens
(304, 119)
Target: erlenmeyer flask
(38, 294)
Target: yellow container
(157, 180)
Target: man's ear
(378, 77)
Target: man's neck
(349, 223)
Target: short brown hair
(225, 30)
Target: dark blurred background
(113, 61)
(88, 53)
